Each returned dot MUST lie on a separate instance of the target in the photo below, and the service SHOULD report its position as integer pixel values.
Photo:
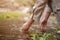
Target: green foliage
(35, 37)
(12, 15)
(58, 37)
(45, 36)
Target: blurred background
(14, 13)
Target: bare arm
(44, 18)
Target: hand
(24, 27)
(42, 25)
(27, 25)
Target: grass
(47, 35)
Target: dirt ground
(10, 30)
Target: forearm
(46, 13)
(30, 21)
(44, 18)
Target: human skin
(42, 23)
(27, 25)
(43, 19)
